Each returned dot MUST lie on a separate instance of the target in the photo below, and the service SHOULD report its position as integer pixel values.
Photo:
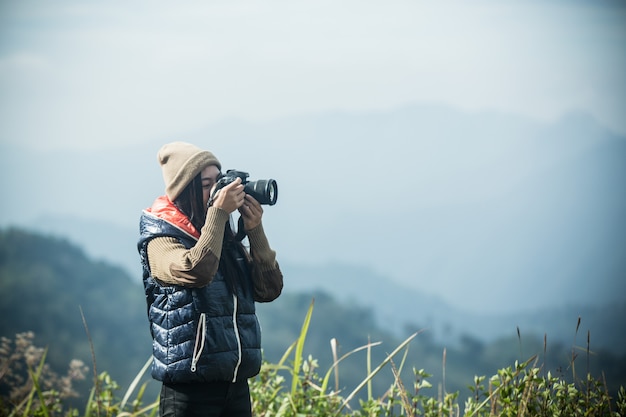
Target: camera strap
(241, 231)
(212, 198)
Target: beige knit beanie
(181, 162)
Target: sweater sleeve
(171, 263)
(266, 274)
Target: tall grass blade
(89, 403)
(333, 349)
(375, 371)
(405, 403)
(154, 407)
(297, 362)
(369, 369)
(283, 359)
(403, 361)
(36, 388)
(96, 381)
(574, 355)
(334, 365)
(28, 401)
(443, 367)
(135, 382)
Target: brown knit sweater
(172, 263)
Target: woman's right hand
(231, 197)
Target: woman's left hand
(251, 211)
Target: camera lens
(264, 191)
(272, 192)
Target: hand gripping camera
(263, 191)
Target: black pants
(212, 399)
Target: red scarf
(164, 209)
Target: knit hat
(181, 162)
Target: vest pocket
(200, 338)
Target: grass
(295, 387)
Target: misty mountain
(485, 212)
(393, 306)
(48, 283)
(50, 287)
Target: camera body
(263, 191)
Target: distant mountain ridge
(491, 212)
(395, 307)
(44, 281)
(399, 309)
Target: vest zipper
(200, 338)
(236, 337)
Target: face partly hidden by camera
(263, 191)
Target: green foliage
(305, 379)
(522, 390)
(103, 401)
(26, 390)
(28, 386)
(45, 282)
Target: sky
(107, 75)
(101, 74)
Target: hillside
(394, 306)
(45, 280)
(492, 213)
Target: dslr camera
(263, 191)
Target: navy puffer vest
(199, 334)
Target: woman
(201, 285)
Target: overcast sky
(105, 73)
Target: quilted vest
(199, 334)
